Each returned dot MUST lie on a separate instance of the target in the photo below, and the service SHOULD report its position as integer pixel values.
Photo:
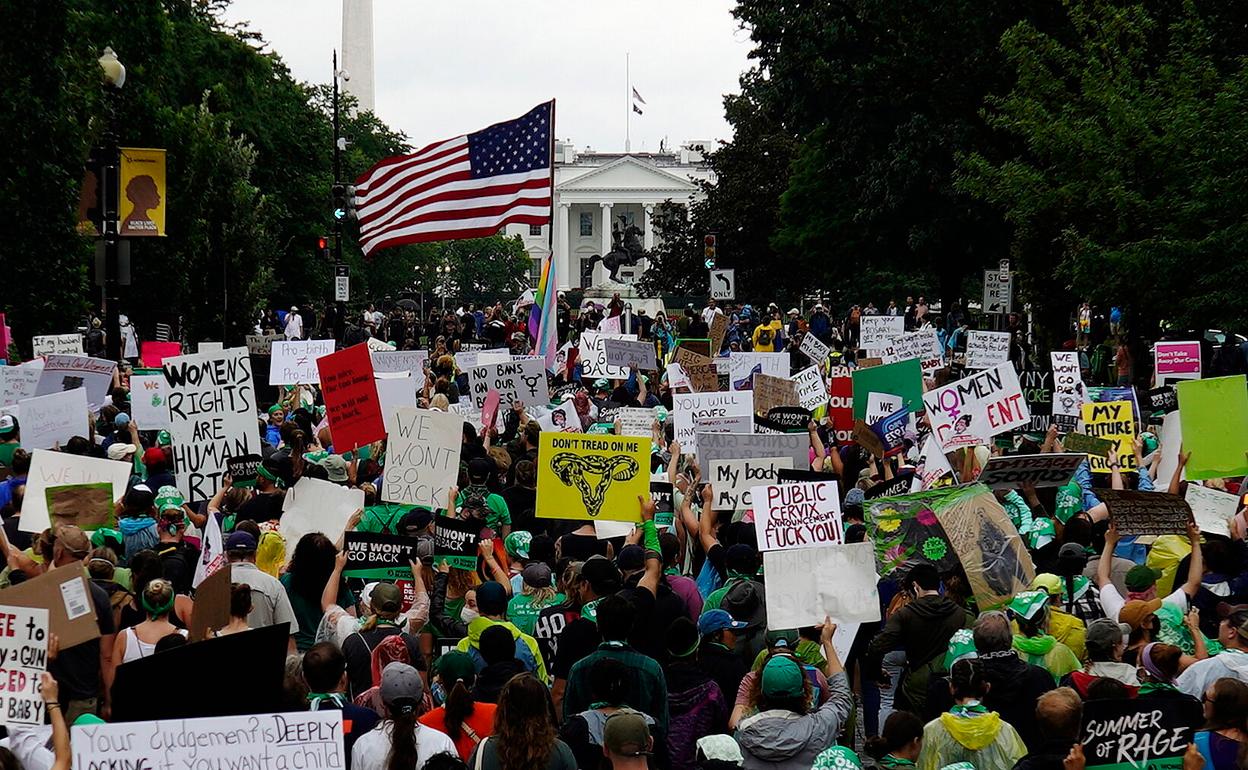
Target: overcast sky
(446, 68)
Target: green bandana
(1029, 604)
(961, 647)
(974, 708)
(890, 761)
(1069, 501)
(837, 758)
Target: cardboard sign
(688, 408)
(1146, 513)
(423, 457)
(791, 516)
(212, 414)
(625, 353)
(972, 410)
(686, 356)
(87, 506)
(313, 505)
(380, 555)
(1069, 392)
(514, 380)
(719, 330)
(771, 392)
(212, 605)
(62, 372)
(262, 344)
(148, 402)
(1211, 508)
(593, 356)
(52, 344)
(63, 594)
(1145, 732)
(814, 349)
(733, 481)
(1163, 399)
(351, 400)
(297, 739)
(1215, 426)
(455, 541)
(923, 345)
(1113, 421)
(987, 544)
(904, 379)
(19, 382)
(985, 350)
(243, 469)
(1043, 470)
(875, 331)
(1084, 444)
(1177, 361)
(52, 420)
(152, 353)
(24, 654)
(699, 345)
(592, 477)
(812, 392)
(807, 584)
(743, 366)
(294, 362)
(57, 469)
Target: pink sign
(152, 353)
(1178, 360)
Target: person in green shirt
(477, 494)
(10, 439)
(536, 594)
(310, 568)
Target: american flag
(466, 187)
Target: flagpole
(628, 104)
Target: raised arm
(1107, 556)
(1176, 480)
(654, 554)
(1196, 566)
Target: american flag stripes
(465, 187)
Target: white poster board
(875, 331)
(805, 585)
(414, 361)
(1068, 390)
(148, 399)
(687, 408)
(523, 380)
(625, 353)
(733, 481)
(394, 390)
(593, 356)
(814, 349)
(52, 420)
(636, 421)
(63, 372)
(972, 410)
(423, 457)
(294, 363)
(985, 350)
(52, 344)
(24, 656)
(314, 505)
(1211, 508)
(743, 366)
(812, 391)
(19, 382)
(791, 516)
(922, 344)
(56, 469)
(881, 405)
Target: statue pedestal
(601, 293)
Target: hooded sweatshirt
(1048, 653)
(922, 628)
(784, 740)
(527, 650)
(984, 740)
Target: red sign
(351, 401)
(841, 403)
(152, 353)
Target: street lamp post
(108, 174)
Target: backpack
(118, 599)
(764, 336)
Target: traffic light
(708, 251)
(322, 247)
(352, 202)
(339, 194)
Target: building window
(535, 271)
(587, 223)
(535, 229)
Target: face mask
(468, 614)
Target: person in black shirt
(79, 669)
(177, 557)
(267, 504)
(521, 500)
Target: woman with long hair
(969, 732)
(465, 720)
(525, 735)
(310, 567)
(1223, 742)
(399, 742)
(537, 592)
(900, 742)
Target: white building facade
(593, 190)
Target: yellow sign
(583, 476)
(1113, 421)
(143, 192)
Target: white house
(593, 189)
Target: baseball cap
(492, 598)
(479, 469)
(385, 597)
(536, 575)
(717, 620)
(73, 540)
(240, 541)
(401, 687)
(1072, 550)
(1047, 582)
(8, 424)
(601, 574)
(517, 544)
(455, 666)
(1141, 577)
(784, 638)
(164, 438)
(632, 558)
(782, 677)
(118, 451)
(121, 420)
(1104, 633)
(1135, 611)
(416, 519)
(153, 456)
(626, 733)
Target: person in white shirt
(399, 740)
(294, 324)
(710, 311)
(1232, 662)
(1112, 602)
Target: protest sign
(815, 349)
(1163, 399)
(564, 419)
(790, 516)
(636, 421)
(807, 584)
(922, 344)
(812, 392)
(63, 594)
(1146, 513)
(19, 382)
(1038, 394)
(881, 405)
(985, 350)
(719, 330)
(56, 469)
(687, 357)
(625, 353)
(294, 362)
(312, 739)
(737, 423)
(413, 361)
(610, 325)
(351, 402)
(1085, 444)
(242, 470)
(904, 378)
(593, 356)
(1211, 508)
(1171, 441)
(212, 415)
(51, 420)
(1069, 392)
(783, 419)
(148, 401)
(62, 372)
(1113, 421)
(687, 408)
(23, 657)
(313, 505)
(803, 475)
(1215, 426)
(212, 605)
(489, 411)
(892, 430)
(770, 392)
(933, 464)
(898, 485)
(52, 344)
(1043, 470)
(664, 506)
(592, 477)
(1176, 361)
(153, 353)
(380, 555)
(87, 506)
(494, 356)
(455, 541)
(210, 347)
(394, 390)
(514, 380)
(262, 344)
(1148, 732)
(703, 378)
(972, 410)
(423, 457)
(841, 402)
(733, 481)
(987, 544)
(877, 330)
(611, 530)
(904, 528)
(713, 447)
(699, 345)
(743, 366)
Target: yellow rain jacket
(982, 739)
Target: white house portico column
(562, 256)
(606, 228)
